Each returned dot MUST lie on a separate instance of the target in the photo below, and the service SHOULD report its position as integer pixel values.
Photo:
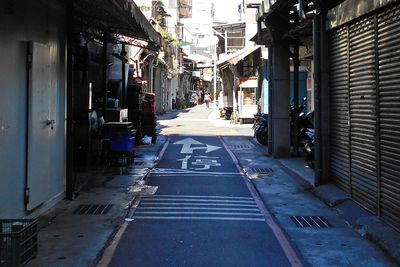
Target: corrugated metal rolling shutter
(362, 88)
(389, 111)
(339, 97)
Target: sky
(226, 10)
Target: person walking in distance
(207, 99)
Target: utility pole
(215, 73)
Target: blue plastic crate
(119, 143)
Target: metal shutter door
(362, 89)
(389, 101)
(339, 114)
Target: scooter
(260, 128)
(306, 124)
(308, 148)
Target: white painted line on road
(198, 200)
(198, 218)
(198, 204)
(193, 196)
(195, 208)
(159, 172)
(188, 149)
(199, 174)
(198, 213)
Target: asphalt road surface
(202, 214)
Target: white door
(41, 123)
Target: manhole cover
(310, 221)
(92, 209)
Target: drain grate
(241, 146)
(92, 209)
(310, 221)
(259, 170)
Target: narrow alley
(199, 133)
(205, 211)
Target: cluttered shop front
(110, 111)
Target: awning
(265, 37)
(238, 56)
(246, 52)
(115, 16)
(198, 58)
(250, 83)
(224, 59)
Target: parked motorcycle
(307, 136)
(306, 124)
(260, 128)
(308, 148)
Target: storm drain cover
(92, 209)
(310, 221)
(246, 146)
(260, 170)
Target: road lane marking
(198, 218)
(188, 149)
(196, 174)
(192, 196)
(184, 162)
(198, 204)
(192, 207)
(160, 172)
(198, 213)
(195, 208)
(155, 199)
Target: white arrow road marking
(189, 141)
(211, 148)
(188, 149)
